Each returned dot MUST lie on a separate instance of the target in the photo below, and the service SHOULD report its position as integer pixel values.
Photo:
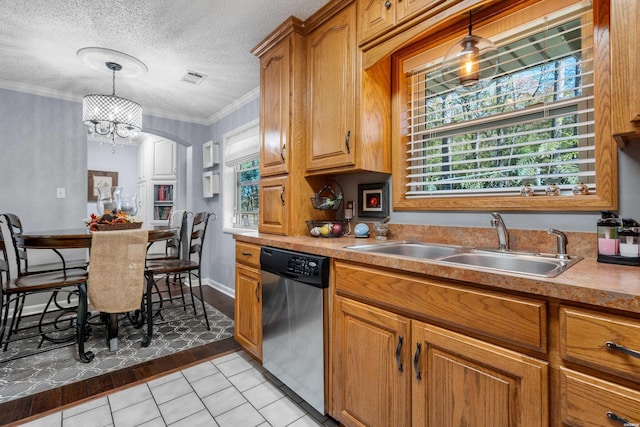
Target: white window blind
(533, 124)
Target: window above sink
(536, 123)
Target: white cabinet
(164, 160)
(157, 180)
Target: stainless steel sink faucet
(562, 242)
(503, 234)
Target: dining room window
(247, 193)
(533, 124)
(241, 175)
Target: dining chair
(179, 272)
(23, 268)
(173, 246)
(49, 325)
(117, 275)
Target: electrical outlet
(60, 193)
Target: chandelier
(110, 115)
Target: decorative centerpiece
(113, 221)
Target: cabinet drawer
(585, 401)
(515, 320)
(584, 335)
(247, 253)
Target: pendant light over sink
(111, 115)
(471, 63)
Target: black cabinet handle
(283, 152)
(416, 358)
(625, 423)
(613, 346)
(346, 141)
(282, 196)
(258, 289)
(387, 4)
(247, 253)
(398, 350)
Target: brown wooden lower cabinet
(248, 310)
(461, 381)
(394, 371)
(372, 369)
(589, 401)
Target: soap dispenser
(629, 238)
(608, 243)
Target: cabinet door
(274, 209)
(371, 366)
(464, 381)
(164, 159)
(331, 65)
(407, 8)
(274, 108)
(248, 310)
(375, 17)
(625, 95)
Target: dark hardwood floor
(46, 401)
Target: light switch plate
(60, 193)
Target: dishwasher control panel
(303, 267)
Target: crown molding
(235, 105)
(50, 93)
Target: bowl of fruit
(113, 221)
(328, 228)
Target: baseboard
(220, 287)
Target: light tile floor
(230, 391)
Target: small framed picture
(100, 179)
(373, 200)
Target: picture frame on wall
(100, 179)
(373, 200)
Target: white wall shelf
(210, 154)
(210, 184)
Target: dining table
(79, 238)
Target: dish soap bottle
(608, 243)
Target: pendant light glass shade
(471, 63)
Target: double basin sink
(542, 265)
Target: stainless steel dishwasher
(294, 315)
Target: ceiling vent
(193, 77)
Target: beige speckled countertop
(588, 281)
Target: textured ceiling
(39, 40)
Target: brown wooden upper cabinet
(348, 109)
(275, 109)
(376, 17)
(625, 66)
(331, 53)
(281, 93)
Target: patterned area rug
(55, 368)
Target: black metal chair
(176, 272)
(58, 323)
(173, 246)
